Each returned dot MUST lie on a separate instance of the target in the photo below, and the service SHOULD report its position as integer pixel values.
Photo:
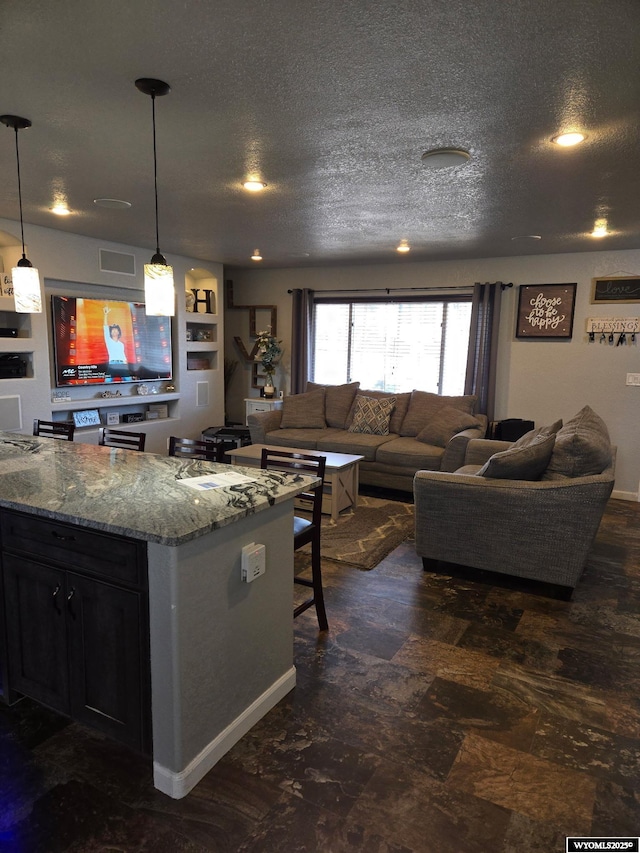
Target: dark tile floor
(445, 714)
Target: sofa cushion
(304, 439)
(338, 400)
(304, 411)
(409, 453)
(582, 447)
(520, 463)
(423, 406)
(358, 443)
(399, 410)
(446, 423)
(371, 415)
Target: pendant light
(159, 293)
(25, 278)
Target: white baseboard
(178, 785)
(625, 496)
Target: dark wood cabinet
(76, 621)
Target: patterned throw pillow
(372, 416)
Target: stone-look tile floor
(440, 714)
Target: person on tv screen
(117, 359)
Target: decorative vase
(269, 390)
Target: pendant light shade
(159, 292)
(25, 278)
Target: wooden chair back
(54, 429)
(121, 438)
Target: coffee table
(340, 478)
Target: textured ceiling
(331, 102)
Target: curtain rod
(388, 290)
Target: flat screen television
(102, 341)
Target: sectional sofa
(397, 434)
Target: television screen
(99, 341)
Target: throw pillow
(338, 400)
(520, 463)
(372, 416)
(528, 437)
(423, 407)
(445, 424)
(582, 447)
(303, 411)
(399, 410)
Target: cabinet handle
(62, 537)
(55, 598)
(69, 597)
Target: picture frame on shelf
(87, 417)
(113, 418)
(545, 311)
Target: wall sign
(545, 310)
(616, 289)
(88, 417)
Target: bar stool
(305, 530)
(121, 438)
(54, 429)
(192, 448)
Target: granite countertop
(130, 493)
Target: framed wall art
(545, 311)
(616, 289)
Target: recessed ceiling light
(256, 255)
(445, 158)
(60, 209)
(403, 246)
(112, 203)
(254, 186)
(566, 140)
(527, 237)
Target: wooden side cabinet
(78, 638)
(260, 404)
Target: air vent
(202, 394)
(10, 413)
(117, 262)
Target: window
(392, 346)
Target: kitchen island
(123, 601)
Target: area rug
(365, 536)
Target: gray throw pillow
(423, 407)
(372, 416)
(582, 447)
(303, 411)
(399, 410)
(528, 437)
(520, 463)
(445, 424)
(338, 401)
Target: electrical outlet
(633, 378)
(253, 561)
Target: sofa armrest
(479, 450)
(260, 423)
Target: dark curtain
(483, 345)
(301, 338)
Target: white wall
(538, 380)
(62, 257)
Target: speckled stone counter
(220, 649)
(129, 493)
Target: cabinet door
(36, 636)
(106, 653)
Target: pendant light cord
(155, 166)
(20, 193)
